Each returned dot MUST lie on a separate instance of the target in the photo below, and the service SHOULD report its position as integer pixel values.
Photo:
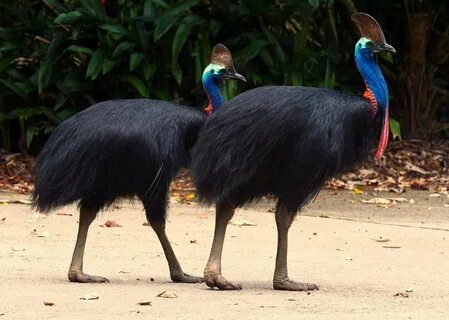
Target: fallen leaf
(18, 249)
(123, 272)
(380, 239)
(391, 247)
(411, 167)
(167, 294)
(376, 201)
(110, 224)
(193, 241)
(48, 303)
(91, 296)
(3, 219)
(434, 195)
(401, 294)
(19, 201)
(146, 224)
(409, 290)
(240, 223)
(357, 191)
(64, 214)
(144, 303)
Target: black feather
(281, 141)
(119, 148)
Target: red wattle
(208, 109)
(383, 142)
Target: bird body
(115, 149)
(285, 142)
(124, 148)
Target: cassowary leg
(76, 267)
(284, 219)
(176, 273)
(212, 273)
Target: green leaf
(251, 50)
(163, 24)
(395, 128)
(215, 26)
(108, 65)
(135, 59)
(314, 3)
(30, 133)
(114, 28)
(178, 42)
(181, 6)
(45, 73)
(17, 90)
(5, 62)
(138, 85)
(95, 64)
(8, 47)
(123, 46)
(161, 3)
(177, 73)
(51, 114)
(149, 70)
(69, 17)
(80, 49)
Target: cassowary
(286, 141)
(124, 148)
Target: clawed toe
(186, 278)
(85, 278)
(218, 281)
(290, 285)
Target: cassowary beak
(383, 47)
(233, 75)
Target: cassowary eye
(212, 71)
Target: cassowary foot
(77, 276)
(218, 281)
(185, 278)
(290, 285)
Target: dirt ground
(360, 255)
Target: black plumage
(124, 149)
(115, 149)
(283, 141)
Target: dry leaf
(3, 219)
(144, 303)
(376, 201)
(391, 247)
(48, 303)
(110, 224)
(91, 296)
(146, 224)
(240, 223)
(167, 294)
(434, 195)
(64, 214)
(401, 294)
(19, 201)
(18, 249)
(380, 239)
(193, 241)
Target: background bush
(59, 57)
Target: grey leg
(75, 273)
(281, 281)
(212, 273)
(176, 273)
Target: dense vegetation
(59, 57)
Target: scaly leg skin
(75, 273)
(212, 273)
(176, 273)
(281, 281)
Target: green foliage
(59, 57)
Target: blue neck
(372, 74)
(213, 92)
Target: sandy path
(357, 276)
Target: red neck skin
(383, 142)
(208, 109)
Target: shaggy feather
(118, 148)
(280, 141)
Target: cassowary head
(221, 66)
(373, 39)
